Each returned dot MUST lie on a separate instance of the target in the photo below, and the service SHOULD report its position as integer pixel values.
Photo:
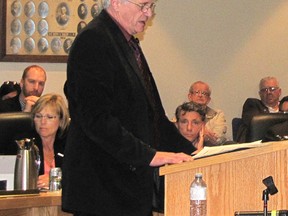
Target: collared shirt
(272, 109)
(22, 104)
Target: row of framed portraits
(42, 30)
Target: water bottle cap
(56, 172)
(198, 175)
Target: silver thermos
(27, 165)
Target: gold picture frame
(42, 30)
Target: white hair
(106, 3)
(265, 79)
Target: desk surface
(33, 200)
(44, 204)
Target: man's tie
(134, 43)
(145, 73)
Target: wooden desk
(42, 204)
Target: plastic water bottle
(198, 192)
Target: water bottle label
(198, 193)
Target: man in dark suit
(32, 85)
(119, 132)
(269, 92)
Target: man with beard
(269, 92)
(32, 85)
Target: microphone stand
(265, 198)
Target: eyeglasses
(144, 7)
(270, 89)
(49, 118)
(203, 93)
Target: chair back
(260, 124)
(236, 122)
(11, 125)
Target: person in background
(32, 85)
(51, 121)
(190, 121)
(283, 105)
(119, 131)
(269, 92)
(9, 89)
(215, 122)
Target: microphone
(269, 183)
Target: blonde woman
(51, 119)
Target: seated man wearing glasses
(269, 92)
(215, 123)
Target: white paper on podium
(215, 150)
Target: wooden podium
(234, 181)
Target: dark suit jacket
(110, 143)
(10, 105)
(276, 132)
(251, 107)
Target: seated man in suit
(269, 92)
(279, 131)
(32, 85)
(215, 123)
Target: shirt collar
(22, 103)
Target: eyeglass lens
(270, 89)
(201, 93)
(48, 117)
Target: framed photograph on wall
(42, 30)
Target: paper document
(214, 150)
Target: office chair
(236, 122)
(11, 126)
(260, 124)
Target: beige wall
(231, 44)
